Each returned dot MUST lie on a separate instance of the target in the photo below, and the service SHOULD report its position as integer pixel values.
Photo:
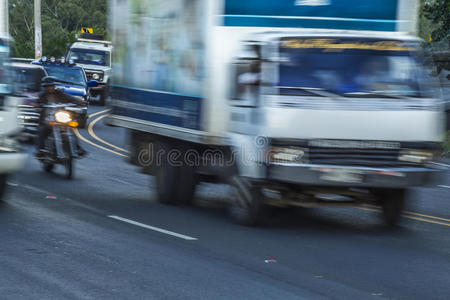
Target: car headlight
(288, 154)
(416, 156)
(63, 117)
(8, 145)
(96, 76)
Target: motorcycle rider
(51, 95)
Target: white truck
(12, 158)
(295, 103)
(93, 54)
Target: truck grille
(357, 157)
(376, 154)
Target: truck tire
(247, 203)
(104, 95)
(175, 183)
(187, 185)
(3, 178)
(392, 203)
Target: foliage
(438, 11)
(446, 145)
(61, 20)
(435, 18)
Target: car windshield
(372, 68)
(75, 76)
(5, 87)
(90, 57)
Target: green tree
(61, 20)
(437, 48)
(438, 12)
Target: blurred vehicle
(60, 145)
(11, 157)
(71, 79)
(94, 54)
(325, 103)
(27, 84)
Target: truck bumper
(11, 162)
(350, 176)
(99, 88)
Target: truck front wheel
(392, 203)
(247, 203)
(2, 185)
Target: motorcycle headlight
(63, 117)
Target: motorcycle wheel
(68, 161)
(68, 164)
(48, 167)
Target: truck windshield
(89, 57)
(369, 68)
(5, 87)
(75, 76)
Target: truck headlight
(288, 154)
(96, 76)
(63, 117)
(416, 156)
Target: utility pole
(37, 29)
(4, 15)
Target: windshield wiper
(316, 91)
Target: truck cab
(94, 56)
(343, 113)
(11, 157)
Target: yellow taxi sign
(87, 30)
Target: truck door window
(247, 75)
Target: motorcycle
(60, 145)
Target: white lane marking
(12, 183)
(444, 186)
(178, 235)
(120, 181)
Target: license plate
(343, 175)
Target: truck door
(245, 85)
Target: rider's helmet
(48, 81)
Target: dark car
(72, 80)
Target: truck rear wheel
(175, 181)
(392, 203)
(247, 203)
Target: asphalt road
(103, 236)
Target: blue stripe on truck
(276, 21)
(331, 14)
(158, 106)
